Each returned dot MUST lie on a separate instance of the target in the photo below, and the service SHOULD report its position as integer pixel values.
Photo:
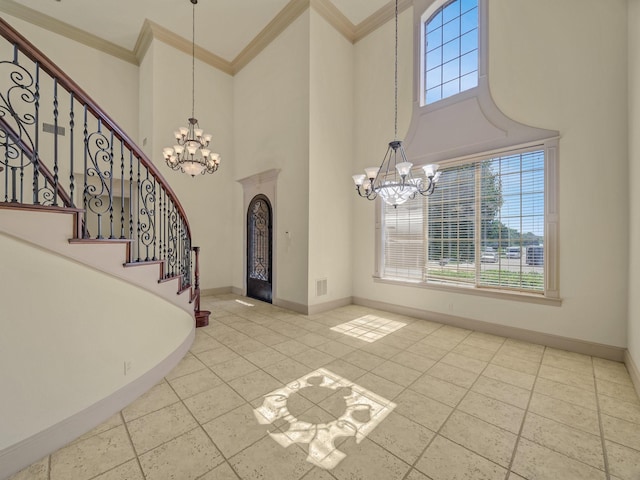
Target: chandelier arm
(193, 61)
(395, 126)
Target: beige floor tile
(364, 360)
(505, 392)
(568, 378)
(382, 350)
(160, 396)
(234, 368)
(446, 460)
(290, 347)
(619, 408)
(264, 357)
(36, 471)
(208, 405)
(346, 369)
(622, 392)
(624, 462)
(335, 348)
(569, 441)
(93, 456)
(236, 430)
(266, 459)
(203, 342)
(313, 358)
(318, 474)
(567, 363)
(515, 476)
(194, 383)
(312, 339)
(421, 409)
(246, 346)
(564, 412)
(188, 364)
(126, 471)
(515, 363)
(612, 371)
(526, 351)
(216, 355)
(112, 422)
(398, 340)
(534, 461)
(380, 386)
(368, 460)
(396, 373)
(255, 385)
(493, 411)
(151, 430)
(287, 370)
(439, 390)
(484, 340)
(428, 351)
(480, 437)
(463, 362)
(271, 339)
(414, 361)
(621, 431)
(416, 475)
(439, 342)
(473, 351)
(507, 375)
(402, 437)
(186, 457)
(221, 472)
(568, 393)
(455, 375)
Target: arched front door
(259, 248)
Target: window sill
(481, 292)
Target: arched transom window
(450, 50)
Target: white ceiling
(223, 27)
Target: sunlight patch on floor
(369, 328)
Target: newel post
(202, 316)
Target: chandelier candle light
(393, 180)
(191, 153)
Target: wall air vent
(321, 287)
(49, 128)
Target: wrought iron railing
(58, 148)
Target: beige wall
(271, 131)
(330, 153)
(573, 82)
(634, 180)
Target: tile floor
(464, 405)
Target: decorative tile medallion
(369, 328)
(363, 411)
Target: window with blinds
(482, 227)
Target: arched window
(450, 50)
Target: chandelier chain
(193, 63)
(395, 133)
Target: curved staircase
(99, 287)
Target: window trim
(551, 293)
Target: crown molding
(379, 18)
(152, 31)
(335, 17)
(275, 27)
(49, 23)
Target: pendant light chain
(193, 61)
(395, 133)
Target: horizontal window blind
(482, 227)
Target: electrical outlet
(127, 366)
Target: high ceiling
(223, 27)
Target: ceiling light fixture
(191, 153)
(393, 180)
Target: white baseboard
(326, 306)
(296, 307)
(556, 341)
(24, 453)
(633, 370)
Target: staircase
(78, 197)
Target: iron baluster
(111, 236)
(13, 184)
(55, 141)
(122, 190)
(71, 179)
(154, 221)
(36, 149)
(137, 209)
(21, 177)
(85, 230)
(131, 196)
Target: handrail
(28, 49)
(96, 168)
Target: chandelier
(191, 153)
(393, 181)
